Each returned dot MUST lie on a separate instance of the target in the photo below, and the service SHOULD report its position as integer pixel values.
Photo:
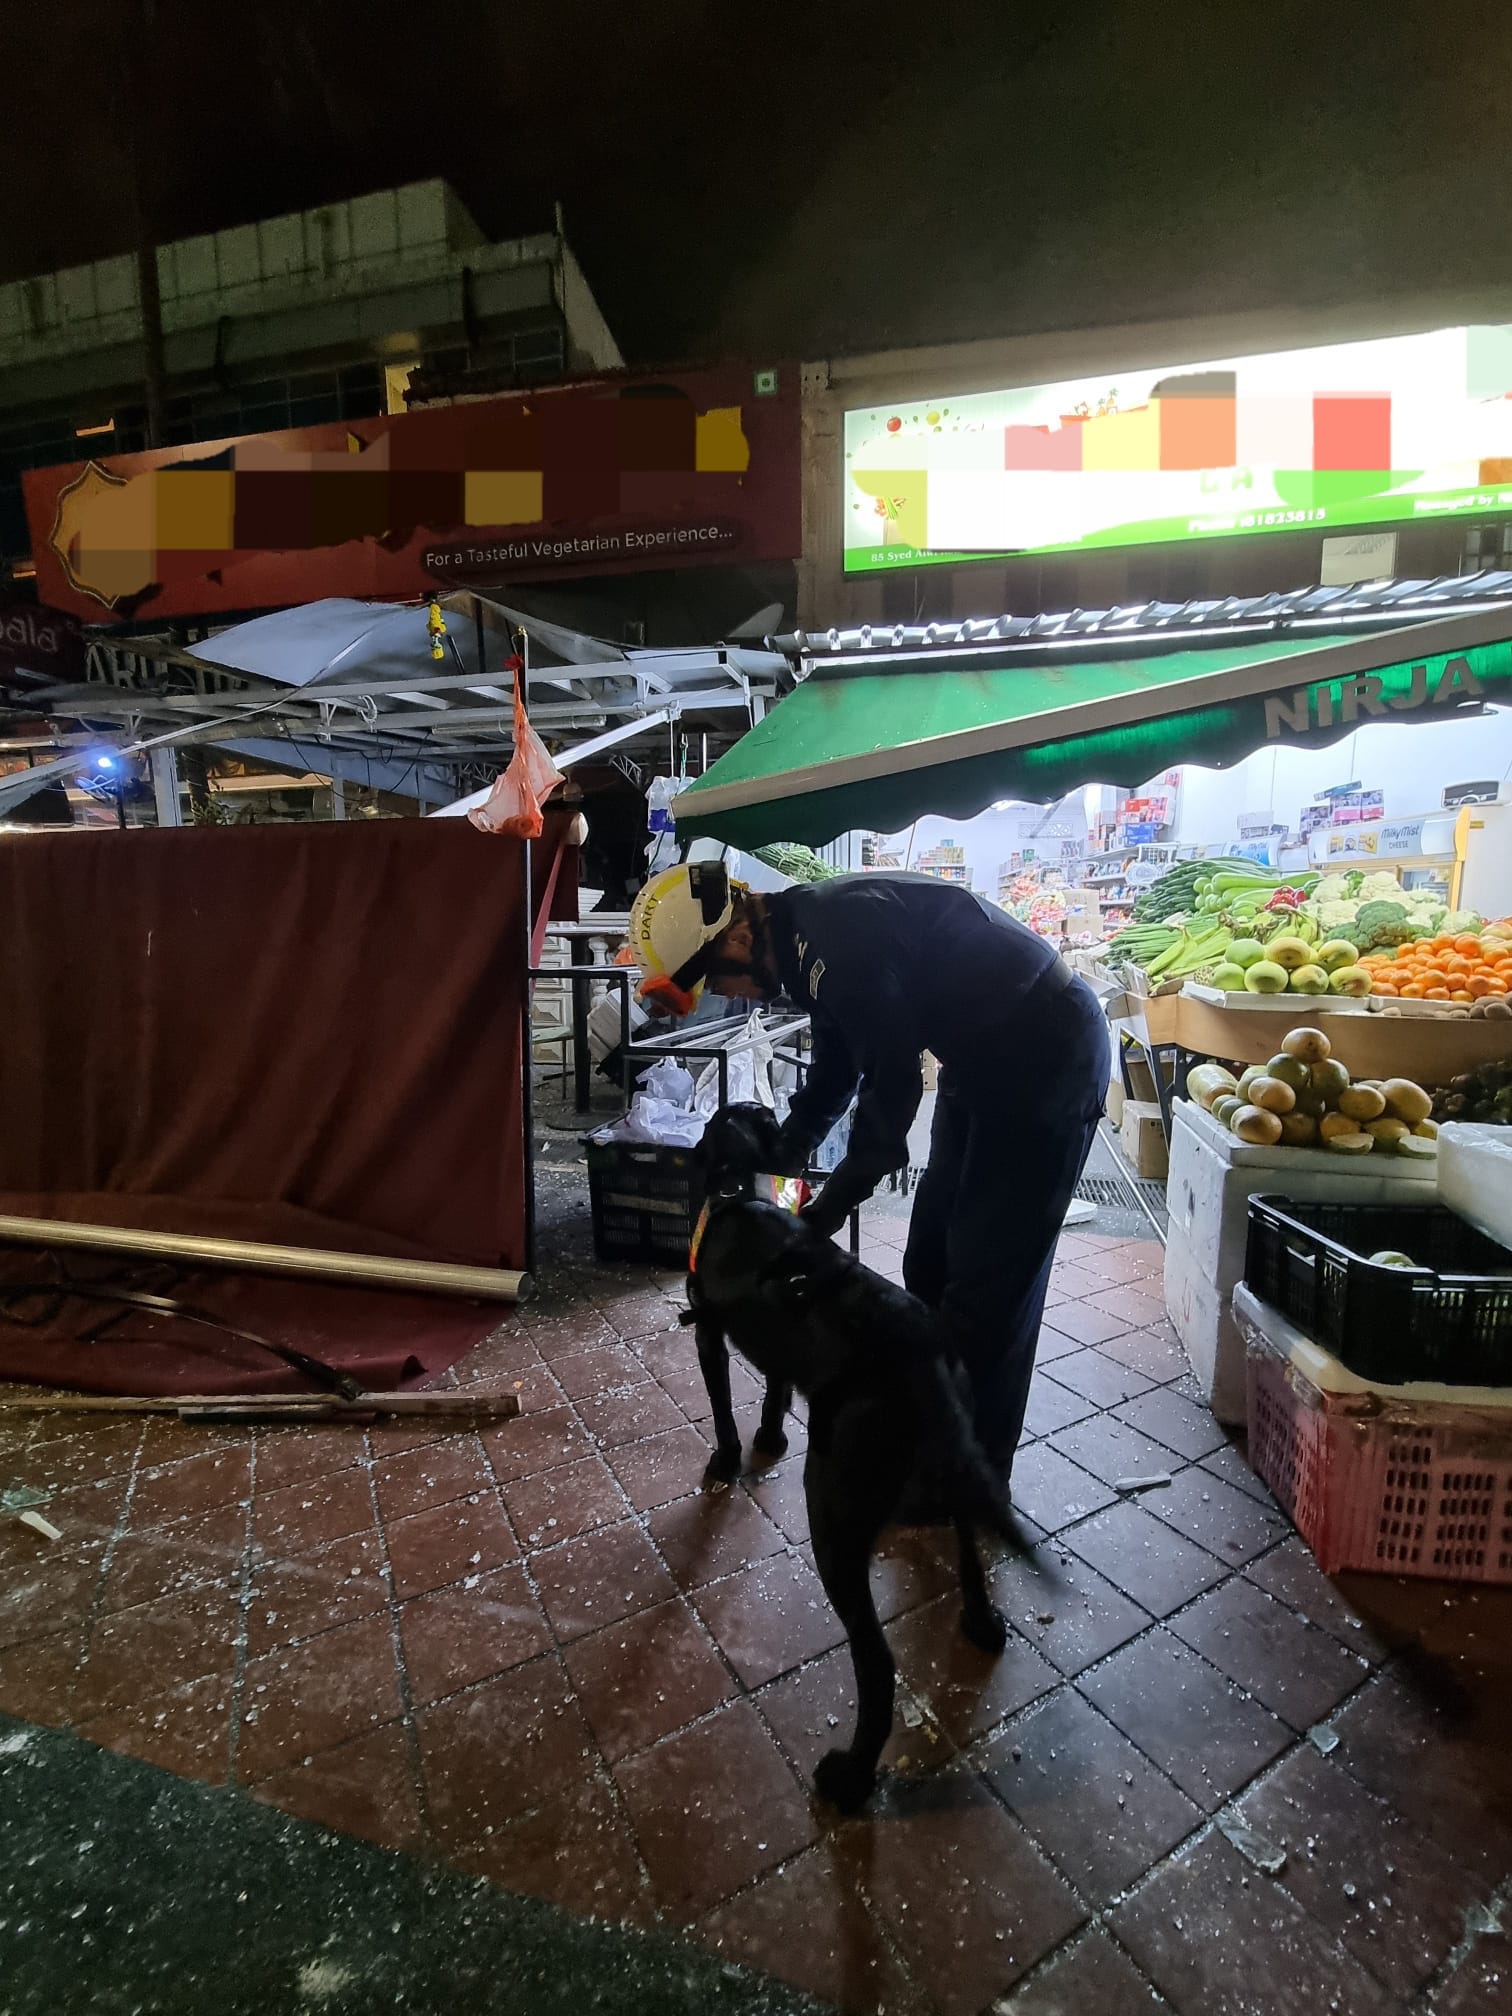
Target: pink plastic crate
(1389, 1486)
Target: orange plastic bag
(514, 805)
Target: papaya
(1387, 1133)
(1406, 1101)
(1291, 1071)
(1311, 1045)
(1207, 1082)
(1254, 1125)
(1272, 1095)
(1349, 1144)
(1361, 1102)
(1330, 1078)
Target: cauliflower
(1333, 915)
(1456, 921)
(1380, 924)
(1381, 884)
(1332, 889)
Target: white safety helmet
(673, 923)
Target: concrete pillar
(165, 786)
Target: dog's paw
(986, 1629)
(769, 1441)
(723, 1466)
(844, 1780)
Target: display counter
(1173, 1030)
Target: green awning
(862, 749)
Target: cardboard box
(930, 1068)
(1142, 1139)
(1141, 1079)
(1116, 1101)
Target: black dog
(885, 1405)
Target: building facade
(332, 314)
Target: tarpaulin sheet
(304, 1034)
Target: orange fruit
(1453, 963)
(1462, 994)
(1480, 984)
(1435, 993)
(1383, 987)
(1468, 943)
(1433, 976)
(1496, 985)
(1413, 991)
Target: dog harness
(790, 1192)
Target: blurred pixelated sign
(599, 478)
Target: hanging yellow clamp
(435, 624)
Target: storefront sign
(1398, 836)
(1401, 689)
(1351, 435)
(41, 641)
(589, 479)
(474, 560)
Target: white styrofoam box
(1250, 1155)
(1212, 1178)
(1475, 1176)
(1205, 1324)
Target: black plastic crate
(1447, 1319)
(645, 1201)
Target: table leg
(582, 1059)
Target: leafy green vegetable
(799, 864)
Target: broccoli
(1380, 924)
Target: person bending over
(888, 966)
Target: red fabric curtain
(300, 1033)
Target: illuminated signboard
(1358, 434)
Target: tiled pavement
(544, 1655)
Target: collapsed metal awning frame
(444, 728)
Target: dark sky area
(791, 179)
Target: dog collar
(698, 1232)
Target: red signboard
(40, 641)
(609, 477)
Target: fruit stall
(1221, 957)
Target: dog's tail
(958, 1460)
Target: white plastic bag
(669, 1080)
(658, 1120)
(750, 1072)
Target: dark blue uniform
(889, 966)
